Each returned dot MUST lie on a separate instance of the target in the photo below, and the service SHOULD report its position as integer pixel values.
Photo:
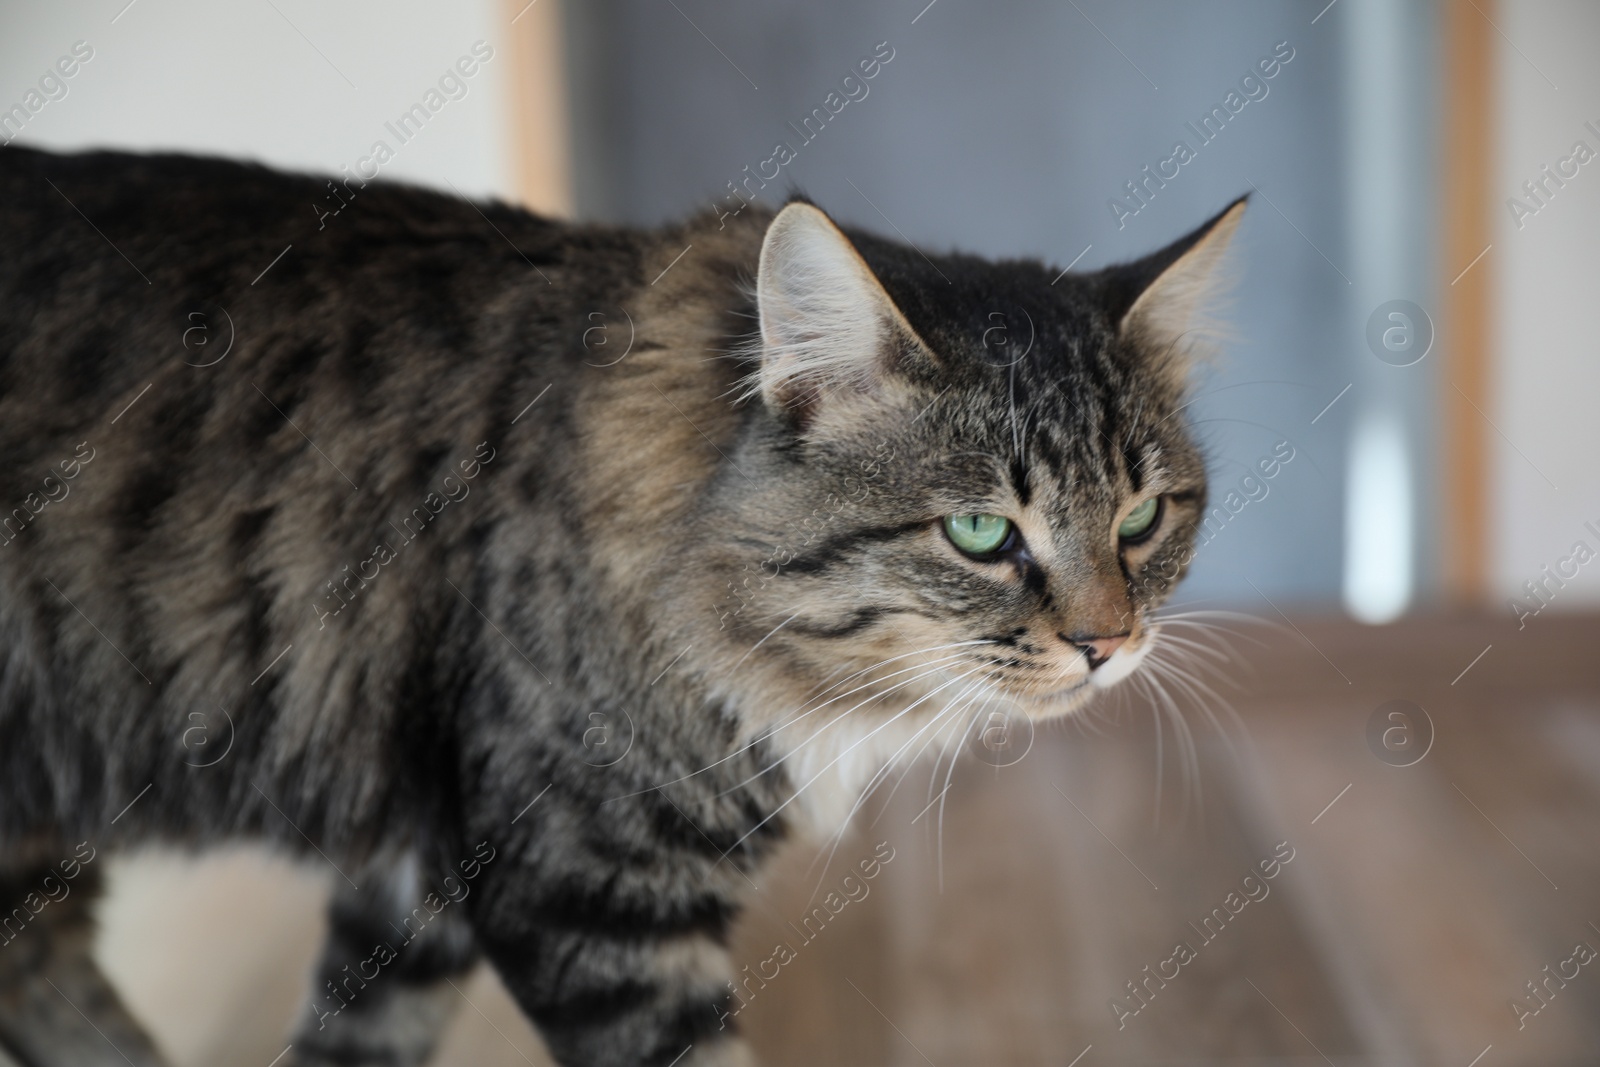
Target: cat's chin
(1056, 702)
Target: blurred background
(1416, 280)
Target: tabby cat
(538, 578)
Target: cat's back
(220, 385)
(146, 230)
(119, 269)
(112, 192)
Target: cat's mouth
(1073, 692)
(1120, 666)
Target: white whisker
(791, 753)
(873, 732)
(769, 733)
(949, 779)
(914, 760)
(878, 778)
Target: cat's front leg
(610, 929)
(389, 979)
(625, 1000)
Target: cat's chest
(850, 766)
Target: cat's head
(964, 471)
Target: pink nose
(1098, 649)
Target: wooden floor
(1417, 904)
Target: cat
(535, 578)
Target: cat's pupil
(1140, 519)
(978, 534)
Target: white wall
(1545, 383)
(294, 83)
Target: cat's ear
(827, 325)
(1161, 302)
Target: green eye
(978, 535)
(1140, 520)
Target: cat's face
(975, 481)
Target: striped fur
(622, 616)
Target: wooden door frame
(1466, 160)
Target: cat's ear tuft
(827, 325)
(1163, 302)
